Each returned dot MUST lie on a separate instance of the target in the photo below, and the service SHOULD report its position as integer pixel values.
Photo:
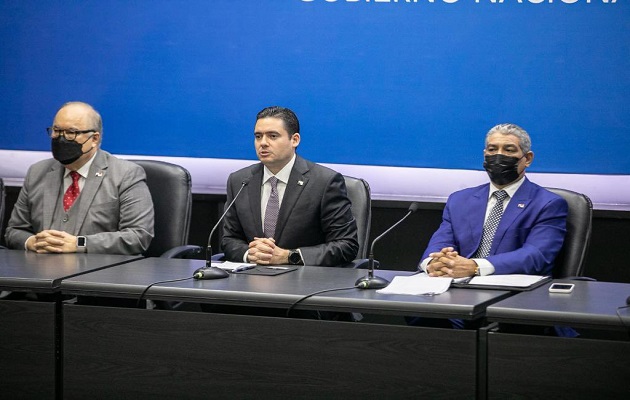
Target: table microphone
(375, 282)
(210, 272)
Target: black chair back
(570, 260)
(359, 195)
(2, 205)
(170, 187)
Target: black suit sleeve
(233, 243)
(338, 225)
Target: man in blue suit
(529, 233)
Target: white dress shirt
(265, 191)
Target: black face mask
(65, 151)
(501, 169)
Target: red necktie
(73, 191)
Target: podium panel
(134, 353)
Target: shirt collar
(282, 175)
(85, 169)
(509, 189)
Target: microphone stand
(376, 282)
(217, 272)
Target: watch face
(81, 241)
(294, 257)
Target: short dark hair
(288, 117)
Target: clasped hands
(52, 241)
(263, 251)
(448, 263)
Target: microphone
(375, 282)
(210, 272)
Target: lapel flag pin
(100, 173)
(300, 183)
(521, 205)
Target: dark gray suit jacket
(115, 211)
(315, 215)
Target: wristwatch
(81, 244)
(295, 258)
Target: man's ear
(96, 137)
(529, 158)
(295, 139)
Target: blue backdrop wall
(395, 83)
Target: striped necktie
(272, 210)
(490, 227)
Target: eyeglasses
(69, 134)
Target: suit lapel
(297, 182)
(253, 192)
(96, 175)
(54, 193)
(513, 211)
(477, 210)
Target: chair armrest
(580, 278)
(362, 263)
(185, 251)
(218, 257)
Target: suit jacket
(315, 215)
(527, 240)
(115, 211)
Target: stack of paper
(418, 284)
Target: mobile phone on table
(561, 288)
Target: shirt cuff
(425, 263)
(485, 266)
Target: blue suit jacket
(527, 240)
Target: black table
(530, 366)
(27, 328)
(144, 353)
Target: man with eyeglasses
(83, 199)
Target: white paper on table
(229, 265)
(418, 284)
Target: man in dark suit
(84, 199)
(292, 211)
(530, 231)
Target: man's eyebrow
(66, 129)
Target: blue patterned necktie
(272, 210)
(490, 227)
